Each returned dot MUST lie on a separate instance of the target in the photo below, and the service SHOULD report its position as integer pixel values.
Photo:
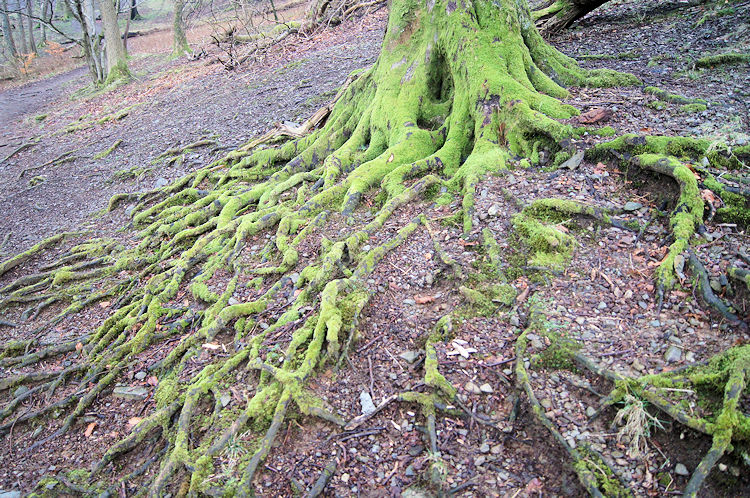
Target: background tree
(180, 44)
(30, 24)
(559, 14)
(7, 30)
(117, 64)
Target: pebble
(632, 206)
(140, 375)
(485, 448)
(546, 403)
(486, 388)
(472, 388)
(365, 400)
(10, 494)
(225, 399)
(673, 354)
(602, 306)
(161, 182)
(232, 301)
(409, 356)
(409, 301)
(681, 470)
(493, 210)
(590, 411)
(128, 392)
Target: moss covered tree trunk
(117, 63)
(180, 44)
(559, 14)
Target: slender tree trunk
(127, 30)
(21, 32)
(30, 22)
(134, 15)
(117, 64)
(47, 16)
(180, 45)
(82, 11)
(7, 31)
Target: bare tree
(30, 23)
(179, 40)
(7, 31)
(117, 65)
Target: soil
(605, 300)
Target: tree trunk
(7, 31)
(559, 14)
(117, 64)
(47, 14)
(83, 12)
(21, 30)
(180, 45)
(30, 21)
(134, 15)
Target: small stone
(415, 450)
(655, 323)
(479, 461)
(365, 400)
(161, 182)
(140, 375)
(590, 411)
(715, 284)
(409, 301)
(628, 294)
(232, 301)
(673, 354)
(574, 161)
(225, 399)
(546, 403)
(690, 357)
(409, 472)
(493, 210)
(602, 306)
(409, 356)
(472, 388)
(722, 467)
(632, 206)
(637, 365)
(345, 477)
(580, 320)
(681, 470)
(375, 449)
(485, 448)
(131, 392)
(515, 321)
(486, 388)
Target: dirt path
(21, 102)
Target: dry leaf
(133, 421)
(79, 347)
(423, 299)
(523, 295)
(390, 159)
(152, 381)
(427, 256)
(211, 346)
(89, 429)
(595, 115)
(105, 304)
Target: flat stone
(409, 356)
(486, 388)
(161, 182)
(131, 392)
(493, 210)
(140, 375)
(632, 206)
(365, 400)
(546, 403)
(485, 448)
(673, 354)
(681, 470)
(574, 161)
(10, 494)
(225, 399)
(590, 411)
(472, 388)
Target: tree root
(726, 372)
(708, 294)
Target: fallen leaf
(152, 381)
(427, 256)
(89, 429)
(79, 347)
(390, 159)
(467, 242)
(523, 295)
(211, 346)
(105, 304)
(423, 299)
(133, 421)
(595, 115)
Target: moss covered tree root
(457, 92)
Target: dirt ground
(605, 300)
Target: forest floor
(605, 300)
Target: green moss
(671, 97)
(719, 59)
(692, 108)
(657, 105)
